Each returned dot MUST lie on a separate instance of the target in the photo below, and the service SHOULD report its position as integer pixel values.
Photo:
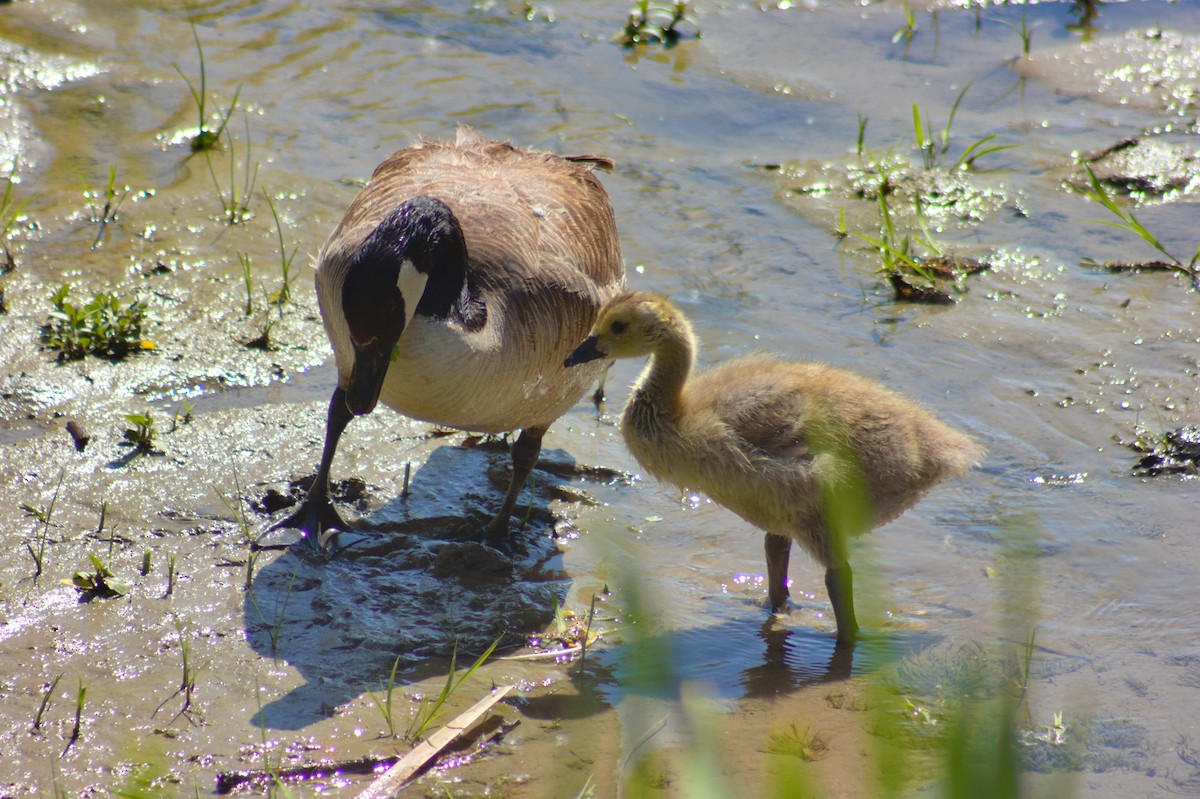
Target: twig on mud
(391, 780)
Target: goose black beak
(587, 351)
(366, 377)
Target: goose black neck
(424, 231)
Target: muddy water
(735, 154)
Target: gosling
(803, 451)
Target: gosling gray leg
(840, 583)
(316, 514)
(525, 451)
(779, 549)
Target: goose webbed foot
(316, 519)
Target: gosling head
(630, 325)
(384, 283)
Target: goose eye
(618, 327)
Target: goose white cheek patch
(411, 283)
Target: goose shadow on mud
(400, 586)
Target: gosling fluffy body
(453, 288)
(777, 442)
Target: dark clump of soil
(1175, 452)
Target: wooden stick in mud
(390, 781)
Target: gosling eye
(618, 327)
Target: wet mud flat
(145, 641)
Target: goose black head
(385, 282)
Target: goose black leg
(525, 451)
(316, 514)
(779, 550)
(840, 584)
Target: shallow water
(720, 144)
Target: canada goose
(776, 442)
(453, 288)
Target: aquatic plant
(113, 196)
(206, 138)
(235, 504)
(10, 213)
(143, 435)
(655, 22)
(181, 415)
(235, 208)
(804, 745)
(933, 150)
(285, 258)
(103, 326)
(80, 698)
(385, 705)
(429, 710)
(263, 340)
(170, 575)
(275, 625)
(47, 696)
(248, 280)
(909, 29)
(191, 671)
(1125, 220)
(42, 517)
(100, 581)
(915, 276)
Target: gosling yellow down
(453, 288)
(779, 443)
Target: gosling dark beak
(585, 352)
(366, 377)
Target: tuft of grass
(1125, 220)
(181, 415)
(235, 504)
(191, 671)
(80, 698)
(934, 149)
(206, 138)
(649, 21)
(236, 207)
(248, 280)
(285, 259)
(385, 705)
(114, 197)
(103, 326)
(908, 30)
(41, 535)
(429, 709)
(10, 214)
(793, 743)
(47, 696)
(275, 625)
